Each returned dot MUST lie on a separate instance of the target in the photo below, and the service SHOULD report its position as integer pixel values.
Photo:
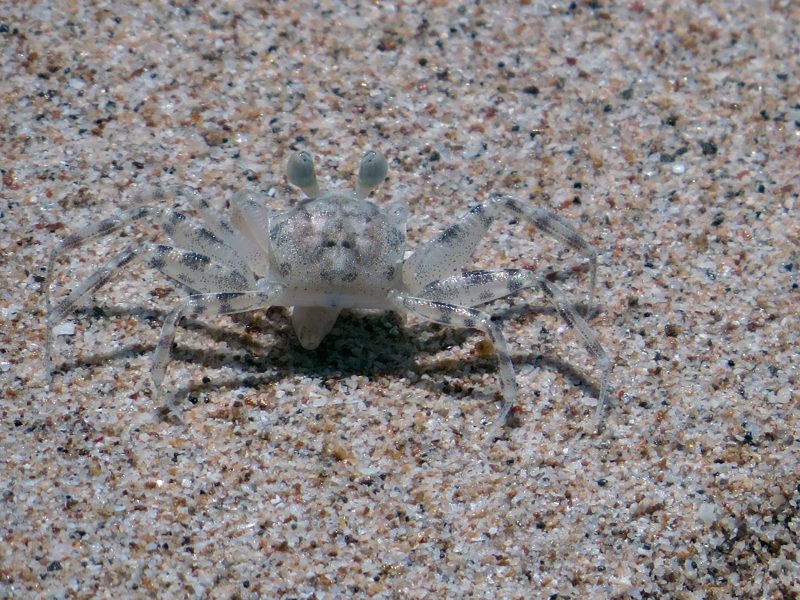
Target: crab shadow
(371, 344)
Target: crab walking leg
(191, 237)
(446, 254)
(88, 234)
(477, 287)
(209, 304)
(464, 316)
(581, 328)
(181, 231)
(558, 228)
(213, 220)
(97, 280)
(194, 270)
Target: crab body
(331, 251)
(337, 251)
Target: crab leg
(209, 304)
(220, 226)
(477, 287)
(89, 234)
(464, 316)
(194, 270)
(558, 228)
(181, 231)
(445, 255)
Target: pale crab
(333, 250)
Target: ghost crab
(331, 251)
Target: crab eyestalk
(301, 173)
(371, 174)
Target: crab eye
(372, 173)
(373, 170)
(301, 173)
